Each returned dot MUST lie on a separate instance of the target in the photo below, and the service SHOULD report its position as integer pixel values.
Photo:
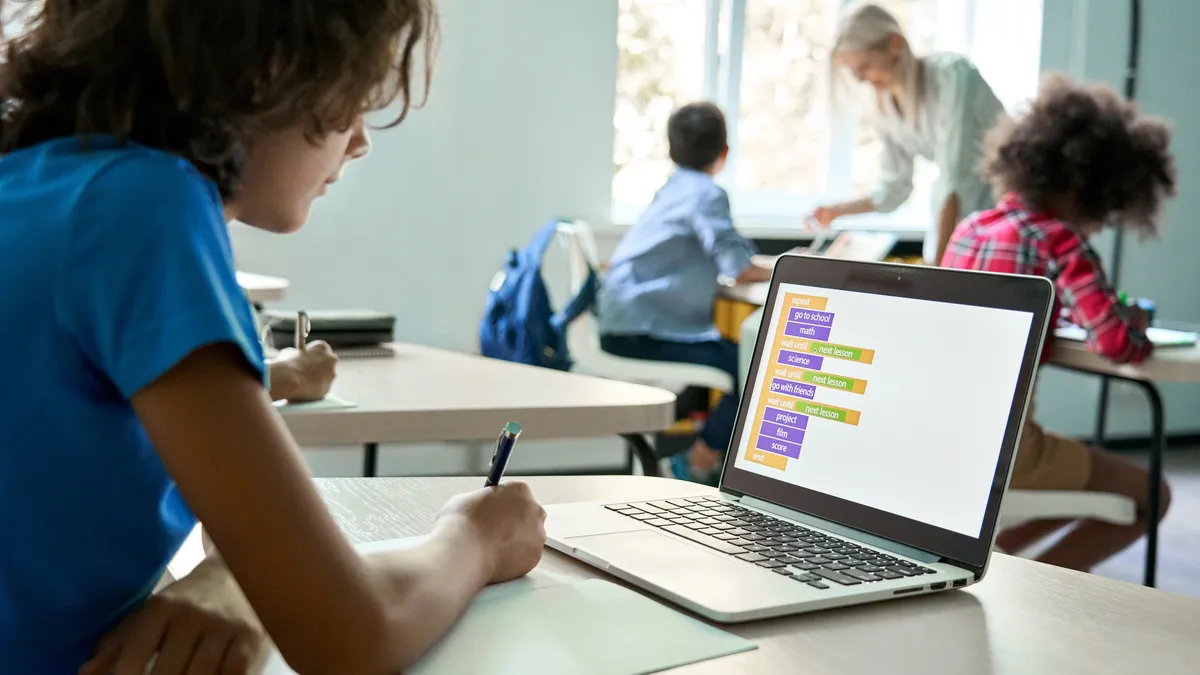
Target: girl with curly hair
(1080, 158)
(131, 133)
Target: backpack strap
(536, 249)
(583, 301)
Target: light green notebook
(1159, 337)
(546, 624)
(330, 402)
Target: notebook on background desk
(548, 624)
(330, 402)
(1159, 337)
(849, 245)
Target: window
(661, 65)
(764, 62)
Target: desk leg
(645, 453)
(370, 460)
(1102, 413)
(1158, 443)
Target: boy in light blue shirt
(656, 302)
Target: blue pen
(504, 448)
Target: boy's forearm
(758, 271)
(424, 600)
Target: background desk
(261, 288)
(1023, 619)
(1169, 364)
(429, 395)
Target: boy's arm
(245, 480)
(1083, 289)
(153, 303)
(733, 254)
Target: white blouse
(956, 110)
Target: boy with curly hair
(1081, 157)
(131, 133)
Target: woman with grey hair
(937, 106)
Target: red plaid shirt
(1012, 239)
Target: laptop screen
(894, 403)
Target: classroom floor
(1179, 537)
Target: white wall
(518, 128)
(1090, 39)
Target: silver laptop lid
(889, 398)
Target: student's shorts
(1047, 461)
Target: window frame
(778, 215)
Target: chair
(1022, 506)
(1019, 506)
(583, 335)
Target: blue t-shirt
(662, 280)
(115, 264)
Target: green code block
(839, 351)
(838, 382)
(828, 412)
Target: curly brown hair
(1088, 144)
(202, 78)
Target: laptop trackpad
(649, 549)
(715, 580)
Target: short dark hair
(696, 134)
(201, 78)
(1088, 142)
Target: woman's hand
(824, 216)
(199, 625)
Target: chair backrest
(579, 244)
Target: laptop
(872, 449)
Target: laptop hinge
(848, 532)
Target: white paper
(549, 624)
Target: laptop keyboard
(805, 555)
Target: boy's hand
(508, 521)
(199, 625)
(303, 375)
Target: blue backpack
(518, 322)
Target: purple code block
(781, 433)
(799, 360)
(785, 418)
(789, 388)
(810, 316)
(803, 330)
(778, 447)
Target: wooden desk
(1025, 618)
(1169, 364)
(261, 288)
(429, 395)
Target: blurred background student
(657, 299)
